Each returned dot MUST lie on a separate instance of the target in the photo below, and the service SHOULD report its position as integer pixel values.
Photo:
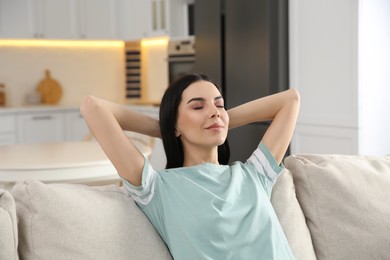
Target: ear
(177, 133)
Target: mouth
(214, 126)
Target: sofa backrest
(70, 221)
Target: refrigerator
(243, 46)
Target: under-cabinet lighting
(154, 42)
(60, 43)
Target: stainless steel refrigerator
(243, 46)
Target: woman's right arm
(107, 121)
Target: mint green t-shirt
(213, 211)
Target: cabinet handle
(162, 14)
(48, 117)
(154, 15)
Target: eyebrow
(202, 99)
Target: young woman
(202, 207)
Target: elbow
(294, 95)
(88, 105)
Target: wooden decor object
(49, 89)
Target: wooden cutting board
(50, 89)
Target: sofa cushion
(345, 200)
(70, 221)
(8, 227)
(291, 217)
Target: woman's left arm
(282, 108)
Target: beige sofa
(330, 207)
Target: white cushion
(70, 221)
(346, 201)
(291, 217)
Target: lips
(214, 126)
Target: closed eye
(220, 105)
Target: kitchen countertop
(74, 162)
(37, 108)
(51, 108)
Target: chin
(220, 141)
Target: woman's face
(202, 118)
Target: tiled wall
(81, 70)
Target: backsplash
(81, 69)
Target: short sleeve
(143, 194)
(265, 164)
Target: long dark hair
(168, 117)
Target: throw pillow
(345, 199)
(291, 217)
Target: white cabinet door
(76, 127)
(179, 18)
(97, 19)
(7, 139)
(159, 18)
(58, 19)
(16, 19)
(55, 19)
(41, 127)
(134, 19)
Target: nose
(215, 112)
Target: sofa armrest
(8, 227)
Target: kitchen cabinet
(159, 17)
(7, 129)
(76, 127)
(338, 50)
(152, 18)
(57, 19)
(43, 124)
(52, 19)
(180, 18)
(93, 19)
(143, 18)
(168, 18)
(97, 19)
(16, 19)
(50, 125)
(40, 127)
(134, 19)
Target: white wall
(323, 40)
(339, 61)
(80, 71)
(374, 75)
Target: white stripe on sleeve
(262, 164)
(146, 193)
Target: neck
(198, 155)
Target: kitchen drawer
(41, 127)
(7, 123)
(6, 139)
